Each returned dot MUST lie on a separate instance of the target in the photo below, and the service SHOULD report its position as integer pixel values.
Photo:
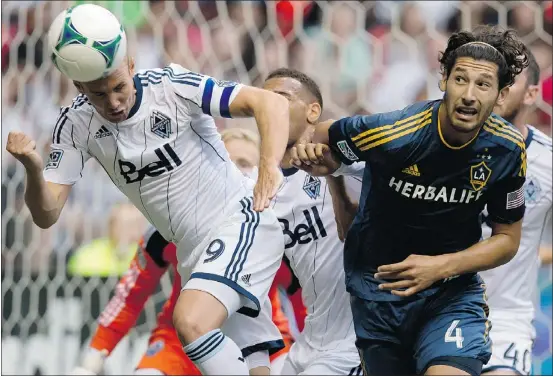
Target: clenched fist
(23, 148)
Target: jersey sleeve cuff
(511, 220)
(341, 144)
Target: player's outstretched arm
(314, 155)
(271, 114)
(44, 199)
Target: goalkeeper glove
(92, 364)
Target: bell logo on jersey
(153, 169)
(304, 233)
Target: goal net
(366, 56)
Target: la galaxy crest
(312, 186)
(479, 175)
(160, 124)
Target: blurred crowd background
(367, 56)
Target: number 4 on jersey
(458, 337)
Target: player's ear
(130, 63)
(531, 95)
(442, 83)
(313, 113)
(502, 95)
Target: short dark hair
(533, 74)
(305, 80)
(497, 45)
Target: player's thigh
(381, 351)
(253, 334)
(455, 329)
(511, 354)
(244, 254)
(165, 354)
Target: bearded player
(413, 251)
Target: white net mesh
(366, 56)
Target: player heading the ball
(154, 135)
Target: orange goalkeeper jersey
(153, 258)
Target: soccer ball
(87, 42)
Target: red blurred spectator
(285, 11)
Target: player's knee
(196, 313)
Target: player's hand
(269, 180)
(315, 159)
(93, 363)
(414, 274)
(23, 148)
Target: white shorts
(255, 334)
(511, 346)
(243, 253)
(304, 360)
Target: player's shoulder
(503, 134)
(172, 74)
(539, 140)
(418, 110)
(79, 112)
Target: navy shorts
(406, 337)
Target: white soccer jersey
(511, 287)
(303, 206)
(167, 158)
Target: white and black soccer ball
(87, 42)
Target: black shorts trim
(468, 364)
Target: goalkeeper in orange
(164, 355)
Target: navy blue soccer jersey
(421, 195)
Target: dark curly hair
(498, 46)
(305, 80)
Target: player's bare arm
(271, 114)
(316, 157)
(418, 272)
(344, 207)
(44, 199)
(546, 255)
